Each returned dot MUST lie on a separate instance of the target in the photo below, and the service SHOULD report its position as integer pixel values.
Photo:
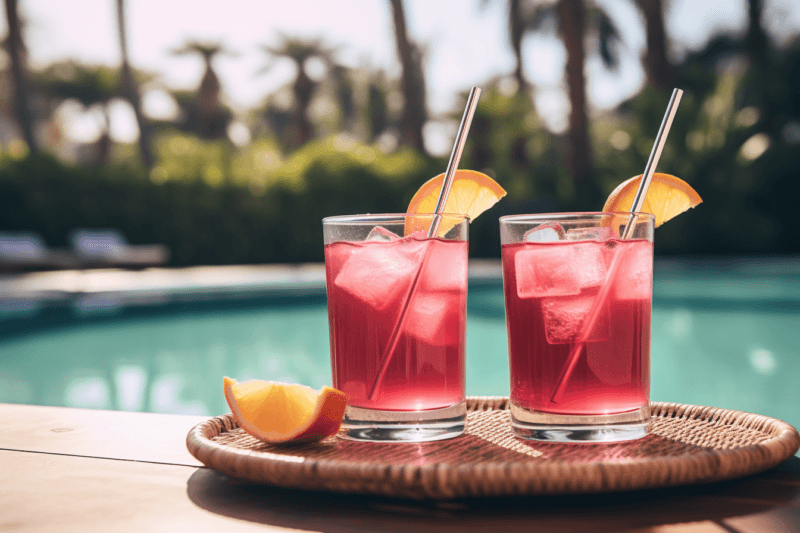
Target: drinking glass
(578, 301)
(397, 319)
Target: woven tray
(689, 444)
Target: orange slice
(667, 197)
(471, 194)
(282, 412)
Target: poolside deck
(153, 284)
(70, 469)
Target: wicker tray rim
(440, 480)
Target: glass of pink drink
(397, 319)
(578, 300)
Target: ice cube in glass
(433, 318)
(547, 232)
(635, 272)
(597, 233)
(546, 272)
(381, 234)
(564, 319)
(591, 264)
(379, 273)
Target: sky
(465, 43)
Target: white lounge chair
(108, 247)
(28, 251)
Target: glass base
(404, 426)
(536, 425)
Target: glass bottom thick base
(587, 429)
(404, 426)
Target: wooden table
(83, 470)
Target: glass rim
(577, 215)
(377, 217)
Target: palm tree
(517, 27)
(299, 51)
(377, 108)
(756, 41)
(522, 16)
(571, 17)
(574, 21)
(758, 48)
(130, 91)
(413, 81)
(344, 91)
(660, 72)
(16, 50)
(93, 87)
(205, 116)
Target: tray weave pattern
(689, 444)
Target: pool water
(724, 334)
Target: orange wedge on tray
(282, 412)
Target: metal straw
(652, 161)
(455, 157)
(447, 183)
(638, 202)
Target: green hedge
(226, 223)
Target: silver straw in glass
(638, 202)
(652, 161)
(455, 157)
(447, 183)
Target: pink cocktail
(397, 319)
(578, 302)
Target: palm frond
(88, 84)
(298, 50)
(608, 36)
(540, 16)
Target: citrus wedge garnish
(471, 194)
(667, 197)
(282, 412)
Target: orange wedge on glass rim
(282, 412)
(471, 194)
(667, 197)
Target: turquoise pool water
(725, 334)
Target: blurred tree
(413, 82)
(660, 72)
(520, 19)
(756, 40)
(130, 91)
(204, 115)
(767, 83)
(516, 31)
(300, 130)
(344, 92)
(278, 121)
(575, 22)
(519, 22)
(92, 86)
(734, 139)
(16, 50)
(501, 120)
(571, 17)
(377, 109)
